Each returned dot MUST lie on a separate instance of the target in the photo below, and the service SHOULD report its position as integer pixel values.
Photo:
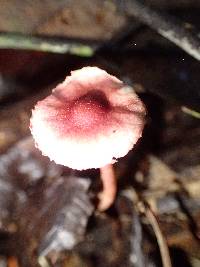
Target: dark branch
(178, 32)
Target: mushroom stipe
(89, 121)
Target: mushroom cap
(88, 121)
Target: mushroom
(89, 121)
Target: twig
(145, 209)
(171, 28)
(46, 44)
(164, 251)
(191, 112)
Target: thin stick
(107, 196)
(46, 44)
(164, 251)
(191, 112)
(144, 208)
(174, 30)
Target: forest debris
(71, 219)
(190, 178)
(93, 19)
(21, 167)
(32, 185)
(137, 258)
(160, 176)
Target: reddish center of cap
(90, 109)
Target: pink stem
(107, 196)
